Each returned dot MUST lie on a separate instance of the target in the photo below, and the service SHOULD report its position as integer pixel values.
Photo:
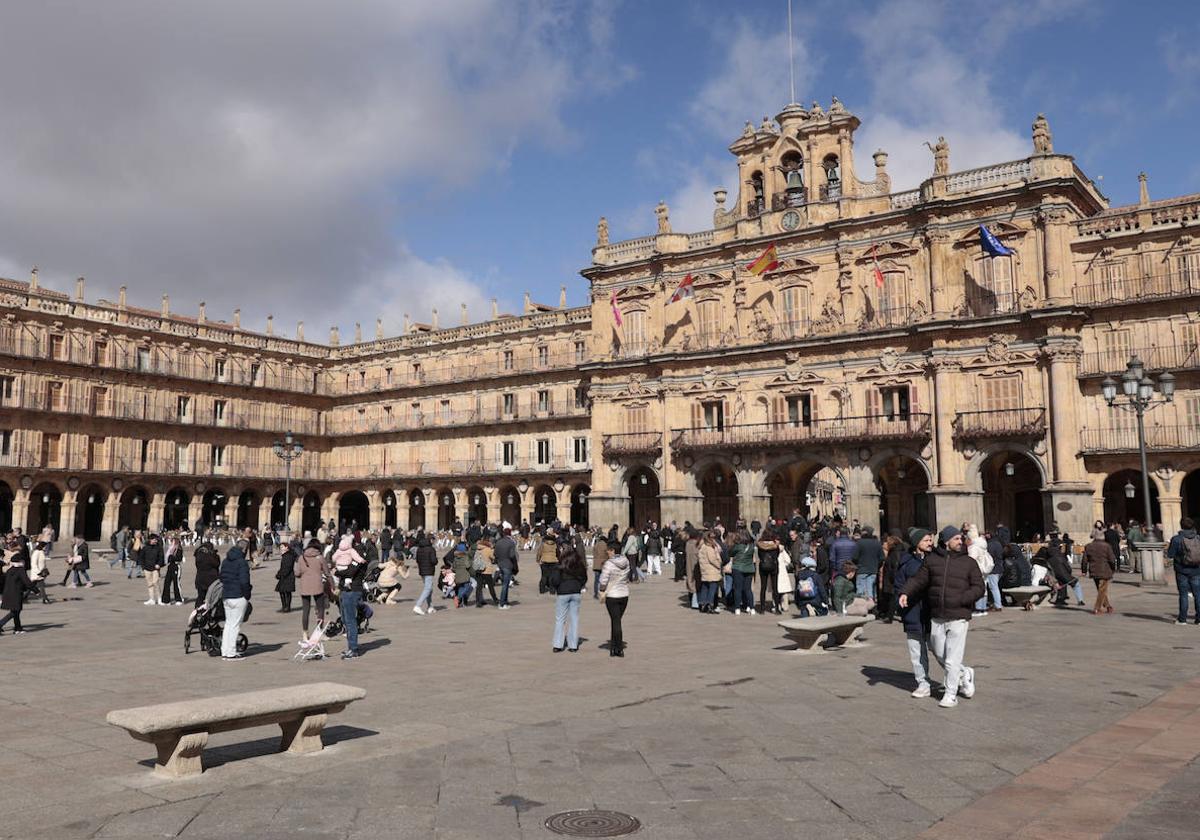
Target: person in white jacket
(977, 551)
(37, 569)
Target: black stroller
(338, 626)
(208, 622)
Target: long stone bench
(1022, 595)
(843, 631)
(180, 730)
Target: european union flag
(990, 244)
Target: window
(95, 453)
(994, 290)
(1112, 280)
(543, 452)
(795, 311)
(580, 352)
(143, 358)
(543, 355)
(444, 408)
(414, 412)
(509, 403)
(100, 353)
(799, 410)
(220, 367)
(6, 387)
(508, 454)
(714, 415)
(581, 397)
(709, 328)
(99, 404)
(218, 456)
(1191, 412)
(833, 178)
(508, 360)
(255, 373)
(1001, 393)
(635, 419)
(55, 400)
(1188, 267)
(183, 407)
(1189, 334)
(183, 457)
(893, 298)
(895, 402)
(145, 453)
(634, 331)
(51, 451)
(58, 347)
(387, 375)
(219, 412)
(1116, 348)
(5, 442)
(580, 450)
(362, 379)
(416, 371)
(543, 401)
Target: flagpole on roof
(791, 57)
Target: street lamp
(1130, 490)
(287, 450)
(1137, 389)
(1010, 469)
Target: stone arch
(974, 479)
(310, 512)
(134, 509)
(477, 505)
(642, 488)
(354, 510)
(90, 502)
(279, 509)
(719, 493)
(212, 507)
(1118, 507)
(579, 508)
(1012, 482)
(391, 505)
(903, 480)
(416, 508)
(6, 507)
(247, 509)
(545, 504)
(446, 508)
(45, 508)
(175, 508)
(510, 505)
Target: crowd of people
(932, 584)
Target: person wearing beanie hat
(810, 589)
(951, 583)
(915, 615)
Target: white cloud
(266, 155)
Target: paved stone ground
(473, 728)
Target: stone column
(1170, 510)
(941, 294)
(66, 515)
(375, 509)
(20, 509)
(112, 511)
(942, 420)
(329, 508)
(158, 504)
(195, 508)
(752, 505)
(562, 504)
(1054, 222)
(863, 496)
(1070, 493)
(493, 504)
(266, 510)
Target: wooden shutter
(779, 415)
(697, 415)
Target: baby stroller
(336, 627)
(208, 622)
(312, 647)
(371, 584)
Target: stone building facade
(884, 366)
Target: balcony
(1124, 439)
(1000, 423)
(1155, 287)
(347, 427)
(116, 357)
(789, 198)
(451, 374)
(1167, 357)
(631, 443)
(454, 468)
(871, 428)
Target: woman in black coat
(16, 583)
(286, 576)
(208, 569)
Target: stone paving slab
(704, 729)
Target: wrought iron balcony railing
(343, 426)
(875, 427)
(631, 443)
(350, 382)
(1000, 423)
(1168, 357)
(1122, 439)
(1155, 287)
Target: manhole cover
(592, 824)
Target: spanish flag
(768, 261)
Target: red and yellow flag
(876, 270)
(767, 261)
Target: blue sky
(338, 164)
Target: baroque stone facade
(885, 366)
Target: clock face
(790, 220)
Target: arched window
(792, 165)
(758, 199)
(833, 177)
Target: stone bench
(180, 730)
(1022, 595)
(843, 631)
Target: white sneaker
(738, 611)
(948, 702)
(978, 615)
(505, 607)
(922, 691)
(149, 603)
(966, 685)
(752, 611)
(430, 610)
(417, 609)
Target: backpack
(806, 588)
(1191, 552)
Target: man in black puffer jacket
(426, 557)
(952, 583)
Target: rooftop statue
(941, 156)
